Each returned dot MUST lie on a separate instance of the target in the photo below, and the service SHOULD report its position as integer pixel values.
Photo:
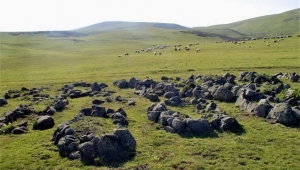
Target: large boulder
(120, 119)
(223, 94)
(228, 123)
(242, 101)
(87, 151)
(179, 125)
(131, 83)
(95, 87)
(11, 117)
(125, 139)
(122, 84)
(86, 111)
(108, 148)
(262, 109)
(59, 105)
(99, 111)
(3, 102)
(147, 82)
(283, 113)
(199, 126)
(44, 122)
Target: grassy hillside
(38, 60)
(272, 25)
(117, 25)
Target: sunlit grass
(54, 62)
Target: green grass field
(264, 26)
(36, 61)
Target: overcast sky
(38, 15)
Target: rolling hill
(119, 25)
(270, 25)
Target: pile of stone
(20, 112)
(72, 91)
(175, 122)
(90, 148)
(293, 77)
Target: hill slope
(270, 25)
(117, 25)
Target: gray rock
(178, 124)
(283, 113)
(126, 140)
(262, 109)
(20, 130)
(198, 107)
(163, 117)
(173, 101)
(59, 105)
(108, 148)
(147, 82)
(73, 146)
(235, 90)
(250, 93)
(157, 107)
(118, 118)
(86, 150)
(296, 111)
(95, 87)
(242, 102)
(152, 97)
(294, 78)
(3, 102)
(98, 101)
(11, 117)
(199, 126)
(87, 111)
(227, 123)
(169, 94)
(70, 131)
(223, 94)
(99, 111)
(194, 101)
(131, 83)
(228, 86)
(211, 106)
(122, 84)
(44, 122)
(189, 93)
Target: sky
(42, 15)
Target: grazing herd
(177, 47)
(275, 40)
(161, 47)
